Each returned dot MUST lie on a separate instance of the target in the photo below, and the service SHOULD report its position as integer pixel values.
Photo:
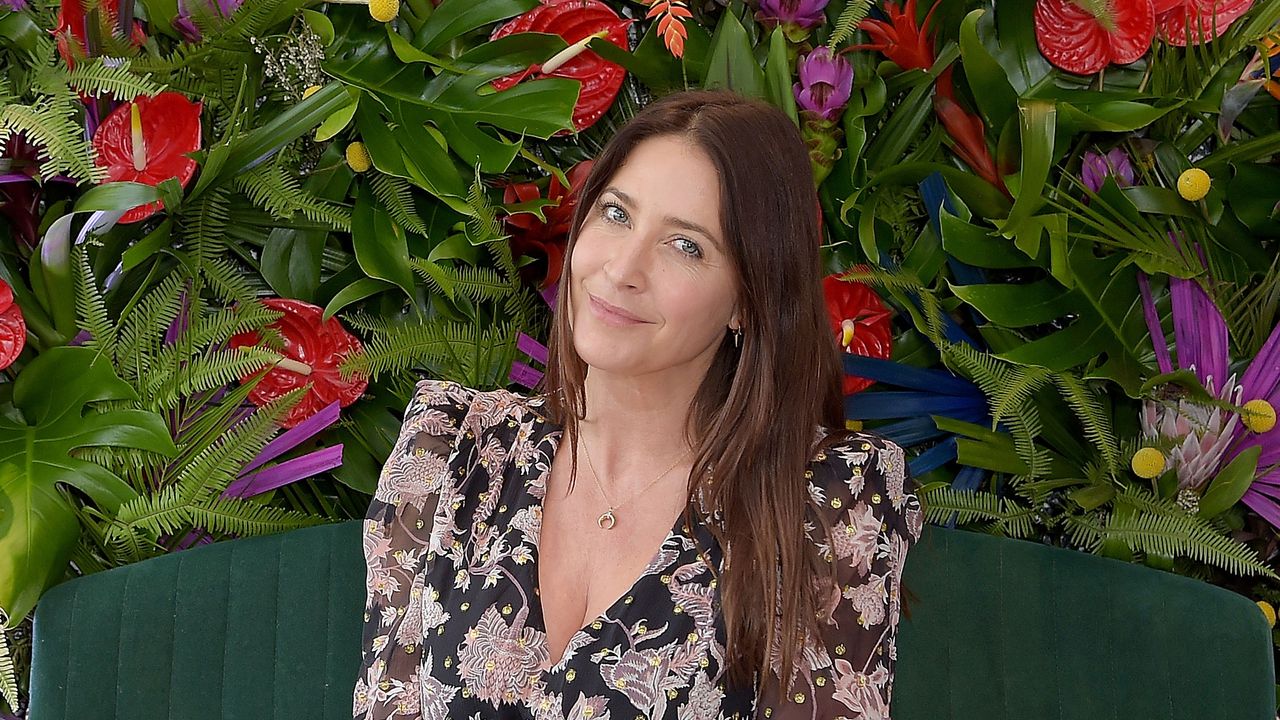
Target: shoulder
(866, 471)
(470, 410)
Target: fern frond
(477, 283)
(1180, 535)
(483, 225)
(94, 77)
(142, 329)
(469, 351)
(396, 195)
(204, 225)
(51, 125)
(229, 282)
(1094, 420)
(176, 375)
(234, 516)
(505, 260)
(852, 16)
(272, 188)
(8, 673)
(92, 309)
(1007, 516)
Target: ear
(735, 321)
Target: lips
(612, 313)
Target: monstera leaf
(56, 395)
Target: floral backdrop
(236, 231)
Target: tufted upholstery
(269, 628)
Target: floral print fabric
(453, 624)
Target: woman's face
(652, 247)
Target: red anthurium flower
(1199, 20)
(13, 328)
(1084, 36)
(312, 351)
(577, 21)
(72, 33)
(146, 141)
(544, 241)
(860, 321)
(908, 45)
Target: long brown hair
(752, 421)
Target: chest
(584, 569)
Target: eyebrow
(670, 219)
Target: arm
(396, 531)
(847, 672)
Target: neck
(635, 427)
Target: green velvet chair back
(269, 628)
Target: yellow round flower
(384, 10)
(310, 91)
(358, 157)
(1193, 184)
(1268, 612)
(1258, 415)
(1147, 463)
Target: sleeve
(396, 532)
(865, 494)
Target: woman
(727, 527)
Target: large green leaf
(362, 56)
(56, 394)
(733, 64)
(380, 244)
(992, 93)
(453, 19)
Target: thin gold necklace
(608, 519)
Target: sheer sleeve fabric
(865, 493)
(397, 537)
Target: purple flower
(14, 5)
(188, 29)
(1097, 168)
(1202, 345)
(799, 13)
(825, 83)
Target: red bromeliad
(147, 141)
(578, 22)
(72, 30)
(1197, 20)
(544, 241)
(312, 353)
(860, 321)
(910, 47)
(1084, 36)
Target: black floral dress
(453, 623)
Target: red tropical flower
(313, 351)
(72, 31)
(1084, 36)
(576, 21)
(544, 241)
(13, 328)
(1200, 20)
(860, 321)
(146, 141)
(908, 45)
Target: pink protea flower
(1200, 433)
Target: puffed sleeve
(866, 494)
(397, 532)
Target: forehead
(670, 176)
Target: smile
(612, 315)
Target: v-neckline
(555, 433)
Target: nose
(627, 263)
